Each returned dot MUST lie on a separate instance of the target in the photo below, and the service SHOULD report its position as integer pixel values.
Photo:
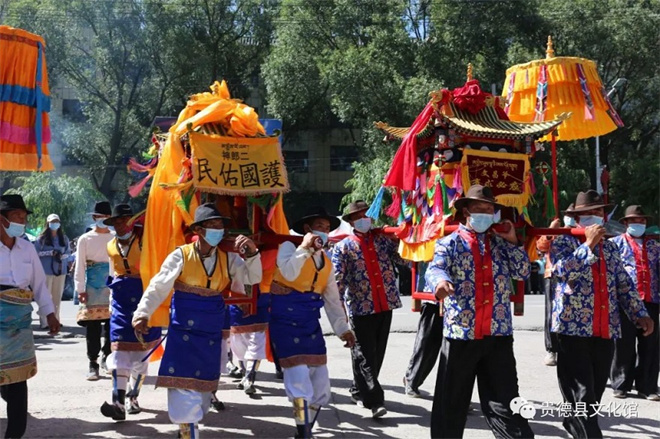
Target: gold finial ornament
(549, 52)
(469, 72)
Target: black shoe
(133, 406)
(302, 433)
(236, 372)
(93, 373)
(279, 374)
(218, 405)
(113, 411)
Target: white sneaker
(378, 412)
(651, 397)
(550, 359)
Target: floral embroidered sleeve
(440, 268)
(339, 263)
(626, 291)
(570, 261)
(520, 268)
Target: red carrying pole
(555, 187)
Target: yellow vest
(132, 259)
(310, 278)
(195, 275)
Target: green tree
(69, 197)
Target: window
(342, 158)
(296, 161)
(72, 110)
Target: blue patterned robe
(453, 261)
(573, 306)
(353, 280)
(628, 258)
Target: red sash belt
(374, 273)
(483, 284)
(601, 321)
(641, 267)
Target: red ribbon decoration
(601, 321)
(366, 243)
(641, 260)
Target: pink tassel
(458, 180)
(135, 190)
(394, 209)
(438, 205)
(133, 165)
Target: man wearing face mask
(641, 259)
(22, 279)
(200, 273)
(303, 284)
(472, 272)
(364, 266)
(543, 245)
(128, 351)
(592, 285)
(91, 273)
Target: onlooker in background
(53, 249)
(92, 270)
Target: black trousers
(583, 366)
(491, 361)
(95, 329)
(16, 397)
(640, 365)
(371, 334)
(427, 345)
(550, 337)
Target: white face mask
(636, 229)
(590, 220)
(362, 225)
(569, 221)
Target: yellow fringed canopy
(167, 214)
(564, 94)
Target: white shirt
(290, 261)
(21, 267)
(241, 272)
(92, 246)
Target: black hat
(476, 193)
(207, 212)
(587, 201)
(119, 211)
(355, 207)
(13, 202)
(634, 211)
(313, 213)
(102, 208)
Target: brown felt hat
(589, 200)
(355, 207)
(634, 211)
(477, 193)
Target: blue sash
(194, 343)
(17, 359)
(126, 294)
(295, 328)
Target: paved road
(63, 404)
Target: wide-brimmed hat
(355, 207)
(207, 212)
(634, 211)
(119, 211)
(477, 193)
(587, 201)
(569, 210)
(13, 202)
(102, 208)
(313, 213)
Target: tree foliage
(69, 197)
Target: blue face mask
(15, 230)
(569, 221)
(99, 223)
(480, 222)
(322, 235)
(53, 226)
(636, 229)
(125, 236)
(213, 236)
(590, 220)
(363, 225)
